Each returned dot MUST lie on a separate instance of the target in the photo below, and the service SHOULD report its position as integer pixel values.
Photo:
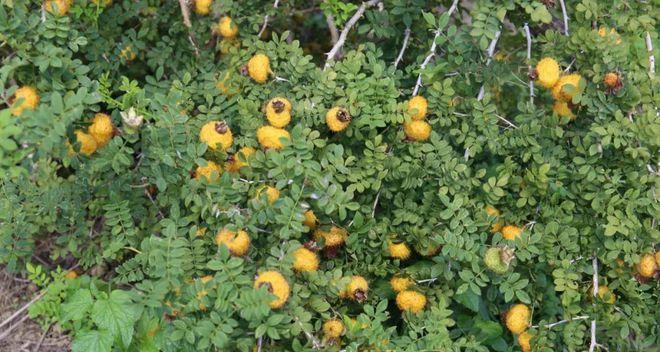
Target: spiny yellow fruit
(278, 112)
(611, 80)
(227, 28)
(399, 250)
(566, 87)
(211, 171)
(206, 279)
(517, 318)
(417, 130)
(269, 137)
(492, 211)
(57, 7)
(259, 68)
(310, 220)
(417, 107)
(127, 53)
(276, 284)
(524, 340)
(87, 142)
(357, 288)
(238, 242)
(70, 275)
(400, 283)
(272, 193)
(240, 159)
(646, 266)
(562, 109)
(29, 99)
(305, 260)
(337, 119)
(606, 295)
(410, 301)
(332, 329)
(216, 134)
(547, 72)
(203, 7)
(101, 129)
(334, 237)
(511, 232)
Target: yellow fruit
(524, 340)
(417, 107)
(276, 284)
(606, 295)
(278, 112)
(305, 260)
(547, 71)
(237, 242)
(227, 28)
(332, 329)
(259, 68)
(240, 159)
(272, 193)
(57, 7)
(566, 87)
(657, 259)
(517, 318)
(334, 237)
(602, 31)
(337, 119)
(87, 142)
(399, 250)
(29, 99)
(203, 7)
(70, 275)
(611, 80)
(492, 211)
(562, 109)
(417, 130)
(270, 137)
(646, 266)
(410, 301)
(101, 129)
(216, 134)
(400, 283)
(357, 288)
(511, 232)
(127, 54)
(310, 220)
(211, 171)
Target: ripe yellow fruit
(400, 283)
(276, 284)
(57, 7)
(517, 318)
(524, 340)
(399, 250)
(606, 295)
(29, 99)
(334, 237)
(211, 171)
(492, 211)
(646, 266)
(305, 260)
(410, 301)
(547, 71)
(70, 275)
(357, 288)
(417, 130)
(87, 142)
(417, 107)
(278, 112)
(127, 53)
(332, 329)
(203, 7)
(272, 193)
(227, 28)
(562, 109)
(237, 242)
(240, 159)
(216, 134)
(611, 80)
(259, 68)
(310, 220)
(566, 87)
(337, 119)
(270, 137)
(511, 232)
(101, 129)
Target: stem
(406, 38)
(263, 27)
(563, 13)
(344, 33)
(529, 61)
(490, 52)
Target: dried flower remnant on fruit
(217, 135)
(337, 119)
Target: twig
(9, 330)
(406, 38)
(263, 27)
(344, 33)
(373, 208)
(332, 27)
(549, 326)
(491, 51)
(649, 47)
(426, 61)
(594, 264)
(529, 62)
(427, 280)
(22, 309)
(185, 12)
(146, 191)
(41, 340)
(508, 123)
(563, 13)
(261, 338)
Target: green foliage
(578, 189)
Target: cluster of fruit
(417, 129)
(98, 134)
(563, 86)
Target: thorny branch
(406, 38)
(549, 326)
(266, 18)
(563, 13)
(185, 12)
(491, 51)
(649, 47)
(594, 264)
(344, 33)
(334, 33)
(529, 62)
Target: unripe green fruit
(498, 259)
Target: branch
(373, 208)
(263, 27)
(549, 326)
(491, 51)
(426, 61)
(529, 62)
(649, 47)
(9, 330)
(185, 12)
(334, 33)
(510, 124)
(22, 309)
(563, 13)
(406, 38)
(594, 264)
(344, 33)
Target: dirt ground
(23, 334)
